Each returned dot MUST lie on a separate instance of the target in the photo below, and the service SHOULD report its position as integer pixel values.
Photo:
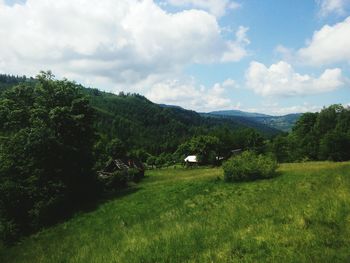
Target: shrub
(249, 166)
(119, 179)
(8, 232)
(135, 174)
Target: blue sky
(268, 56)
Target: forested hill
(284, 123)
(7, 81)
(141, 124)
(238, 113)
(155, 128)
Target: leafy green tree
(317, 136)
(46, 159)
(205, 147)
(327, 119)
(254, 141)
(116, 149)
(151, 161)
(307, 136)
(335, 146)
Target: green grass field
(179, 215)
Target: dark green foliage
(135, 174)
(335, 146)
(8, 81)
(46, 158)
(285, 148)
(219, 144)
(143, 125)
(204, 147)
(151, 161)
(249, 166)
(316, 136)
(116, 149)
(118, 180)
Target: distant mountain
(283, 123)
(239, 113)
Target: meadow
(192, 215)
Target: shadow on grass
(67, 213)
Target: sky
(274, 57)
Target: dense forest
(316, 136)
(146, 130)
(55, 135)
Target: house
(121, 165)
(236, 152)
(191, 159)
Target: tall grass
(179, 215)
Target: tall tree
(46, 158)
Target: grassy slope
(193, 216)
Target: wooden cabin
(120, 165)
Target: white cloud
(124, 42)
(215, 7)
(229, 83)
(188, 94)
(280, 79)
(328, 45)
(284, 52)
(328, 7)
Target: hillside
(142, 124)
(135, 119)
(283, 123)
(239, 113)
(179, 215)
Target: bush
(135, 174)
(119, 179)
(248, 167)
(8, 232)
(335, 146)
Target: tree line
(323, 135)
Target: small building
(121, 165)
(191, 159)
(236, 152)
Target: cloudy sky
(268, 56)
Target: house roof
(191, 159)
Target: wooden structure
(121, 165)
